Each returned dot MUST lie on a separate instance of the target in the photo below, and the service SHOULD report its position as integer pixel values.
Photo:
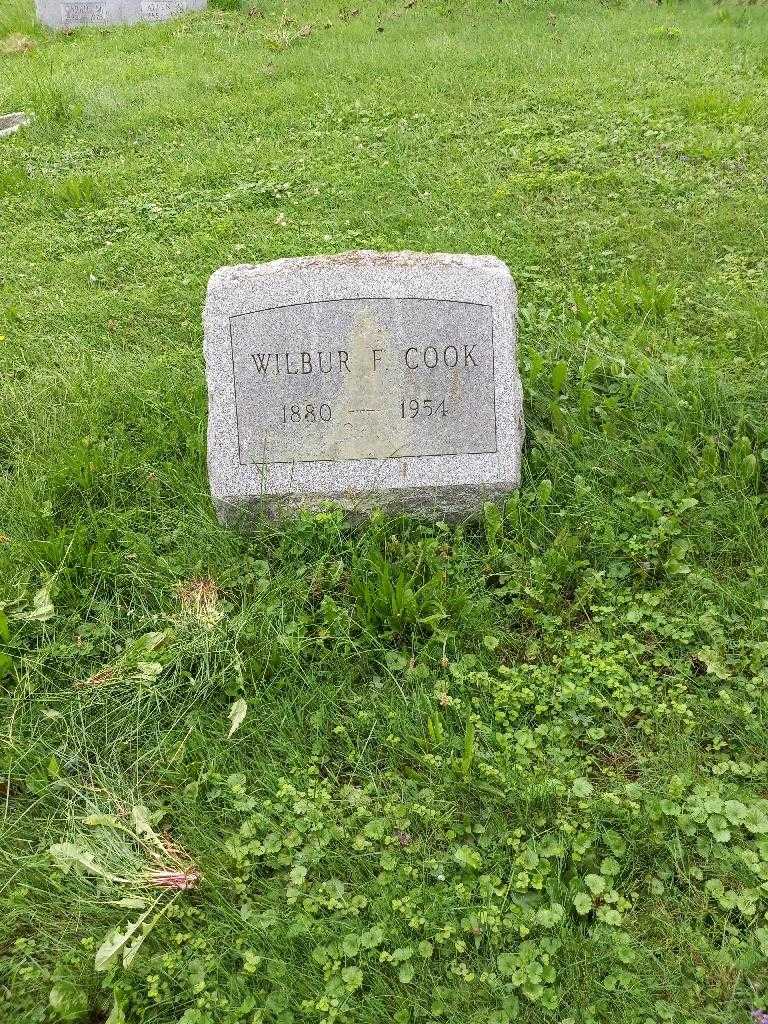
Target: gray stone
(364, 379)
(69, 14)
(10, 123)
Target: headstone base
(421, 503)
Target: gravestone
(364, 379)
(69, 14)
(10, 123)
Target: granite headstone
(364, 379)
(10, 123)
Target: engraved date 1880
(309, 413)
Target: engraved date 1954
(422, 408)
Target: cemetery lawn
(510, 768)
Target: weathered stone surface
(365, 378)
(10, 123)
(69, 14)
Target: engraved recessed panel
(74, 15)
(369, 378)
(159, 10)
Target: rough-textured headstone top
(69, 14)
(364, 378)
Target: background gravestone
(68, 14)
(10, 123)
(365, 378)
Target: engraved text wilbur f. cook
(431, 357)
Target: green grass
(509, 767)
